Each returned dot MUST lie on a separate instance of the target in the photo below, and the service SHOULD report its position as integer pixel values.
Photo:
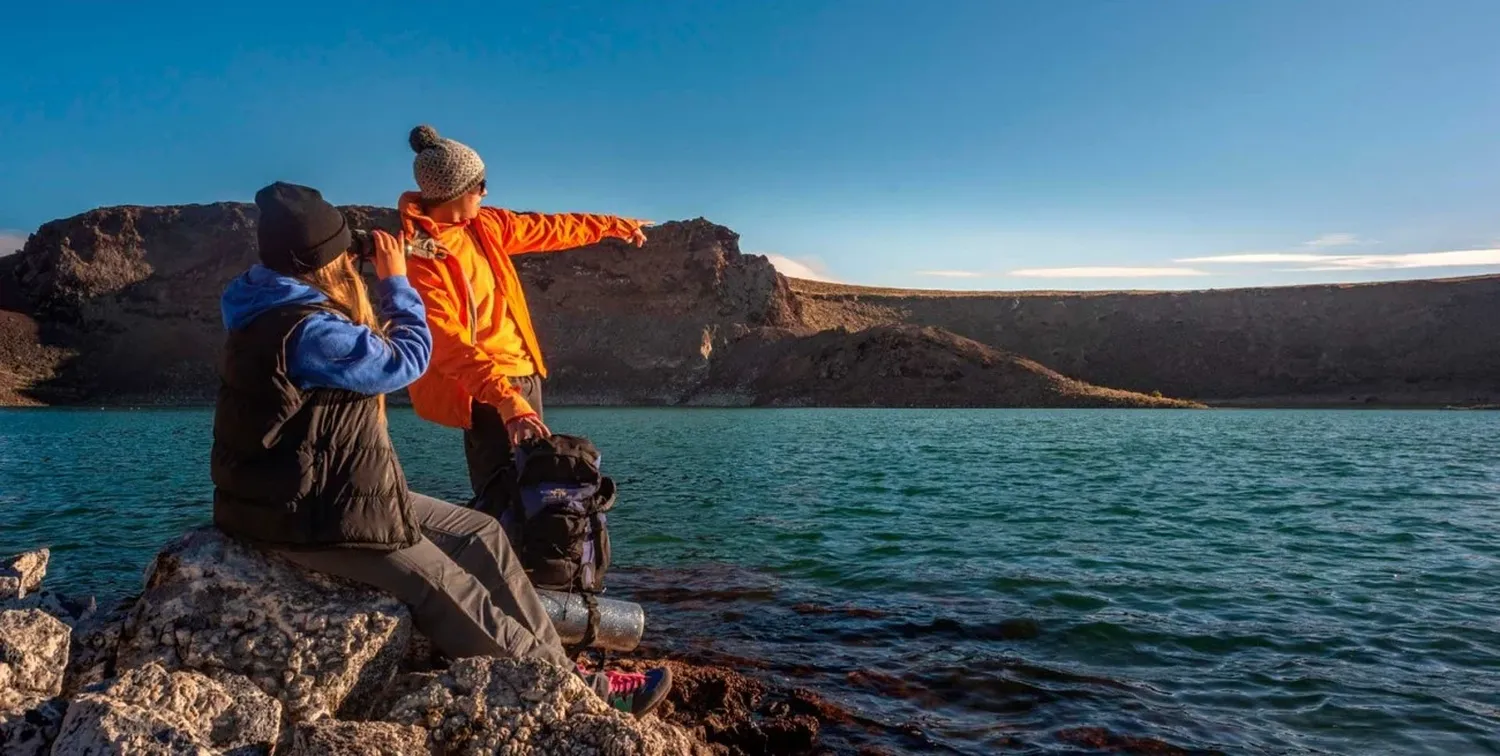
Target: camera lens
(360, 245)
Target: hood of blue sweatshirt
(259, 290)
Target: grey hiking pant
(463, 583)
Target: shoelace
(625, 682)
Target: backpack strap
(604, 498)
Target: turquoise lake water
(980, 581)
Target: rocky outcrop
(21, 579)
(484, 706)
(903, 366)
(33, 656)
(328, 737)
(23, 574)
(149, 710)
(120, 305)
(320, 646)
(33, 651)
(230, 650)
(1419, 343)
(29, 723)
(95, 644)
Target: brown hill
(120, 305)
(1419, 343)
(900, 366)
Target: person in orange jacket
(487, 367)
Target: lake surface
(981, 581)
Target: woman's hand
(524, 428)
(390, 259)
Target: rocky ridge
(120, 306)
(228, 650)
(1404, 343)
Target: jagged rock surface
(322, 647)
(151, 710)
(527, 708)
(28, 723)
(96, 724)
(69, 610)
(22, 574)
(96, 641)
(159, 703)
(329, 737)
(33, 651)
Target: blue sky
(978, 145)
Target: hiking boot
(636, 692)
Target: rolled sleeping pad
(621, 623)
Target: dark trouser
(492, 466)
(463, 583)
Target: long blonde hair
(345, 288)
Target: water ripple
(979, 581)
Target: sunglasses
(482, 186)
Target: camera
(361, 246)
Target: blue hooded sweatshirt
(327, 350)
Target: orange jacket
(461, 370)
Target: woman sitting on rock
(303, 463)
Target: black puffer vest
(301, 469)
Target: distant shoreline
(119, 306)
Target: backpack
(557, 526)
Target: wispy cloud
(806, 268)
(1324, 263)
(952, 273)
(1334, 240)
(11, 241)
(1260, 257)
(1466, 258)
(1106, 272)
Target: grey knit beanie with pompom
(443, 168)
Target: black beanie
(299, 232)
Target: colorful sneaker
(636, 692)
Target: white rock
(180, 712)
(483, 706)
(33, 651)
(22, 574)
(214, 604)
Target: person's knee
(488, 527)
(487, 530)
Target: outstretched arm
(550, 232)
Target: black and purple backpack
(558, 527)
